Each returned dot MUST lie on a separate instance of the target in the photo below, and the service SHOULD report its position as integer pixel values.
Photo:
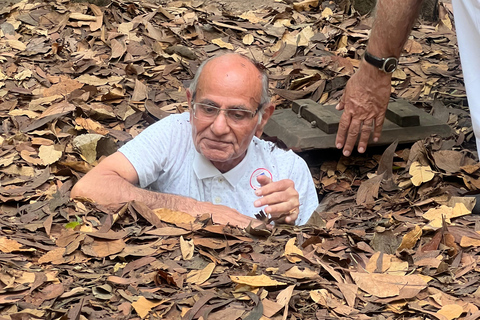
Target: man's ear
(189, 98)
(268, 111)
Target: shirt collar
(204, 168)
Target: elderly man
(210, 160)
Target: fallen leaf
(410, 239)
(200, 276)
(222, 44)
(386, 285)
(8, 245)
(143, 306)
(451, 311)
(420, 174)
(49, 155)
(248, 39)
(256, 281)
(187, 248)
(171, 216)
(292, 251)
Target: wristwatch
(387, 65)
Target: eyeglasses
(206, 112)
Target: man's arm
(367, 93)
(113, 181)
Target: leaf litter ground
(394, 237)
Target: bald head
(232, 69)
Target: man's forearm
(394, 20)
(110, 189)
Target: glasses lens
(204, 111)
(208, 113)
(238, 115)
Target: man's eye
(238, 114)
(209, 110)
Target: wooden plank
(403, 114)
(297, 133)
(317, 115)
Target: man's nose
(220, 124)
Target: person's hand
(281, 199)
(226, 215)
(364, 102)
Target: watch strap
(374, 61)
(387, 65)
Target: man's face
(226, 82)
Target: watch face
(390, 65)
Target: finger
(340, 105)
(353, 132)
(286, 217)
(277, 186)
(263, 180)
(343, 126)
(367, 128)
(289, 198)
(378, 127)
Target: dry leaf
(143, 306)
(420, 174)
(222, 44)
(175, 217)
(187, 248)
(200, 276)
(292, 252)
(8, 245)
(451, 311)
(256, 281)
(16, 44)
(248, 39)
(410, 239)
(83, 17)
(103, 248)
(306, 5)
(469, 242)
(49, 155)
(386, 285)
(54, 256)
(296, 273)
(91, 126)
(327, 13)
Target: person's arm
(367, 93)
(113, 181)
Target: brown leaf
(64, 87)
(187, 248)
(410, 239)
(8, 245)
(200, 276)
(256, 281)
(103, 248)
(368, 190)
(386, 285)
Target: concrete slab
(299, 133)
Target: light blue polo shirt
(166, 161)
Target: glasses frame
(253, 114)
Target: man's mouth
(216, 142)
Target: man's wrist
(372, 71)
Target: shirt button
(220, 179)
(218, 199)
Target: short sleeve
(150, 152)
(305, 187)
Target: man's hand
(364, 102)
(280, 197)
(226, 215)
